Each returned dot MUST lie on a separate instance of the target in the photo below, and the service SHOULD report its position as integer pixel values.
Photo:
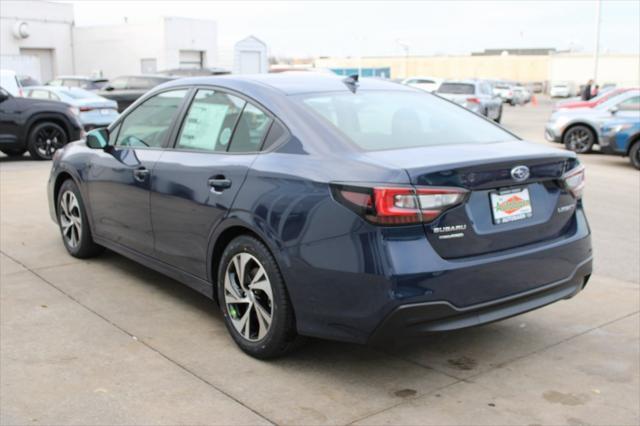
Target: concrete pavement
(107, 341)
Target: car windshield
(383, 120)
(457, 88)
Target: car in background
(561, 90)
(28, 81)
(521, 95)
(430, 84)
(505, 92)
(10, 82)
(195, 72)
(316, 205)
(621, 136)
(578, 128)
(87, 83)
(126, 89)
(92, 110)
(579, 103)
(40, 126)
(475, 95)
(536, 87)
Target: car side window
(251, 130)
(71, 83)
(119, 83)
(631, 104)
(210, 122)
(55, 83)
(53, 96)
(39, 94)
(277, 133)
(149, 124)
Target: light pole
(405, 47)
(596, 52)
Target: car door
(119, 178)
(11, 109)
(195, 184)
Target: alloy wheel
(248, 296)
(579, 140)
(70, 219)
(48, 140)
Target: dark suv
(125, 90)
(36, 125)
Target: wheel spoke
(264, 320)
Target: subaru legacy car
(315, 205)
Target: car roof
(291, 84)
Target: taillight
(473, 100)
(85, 108)
(574, 180)
(398, 205)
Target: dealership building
(40, 39)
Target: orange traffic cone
(534, 101)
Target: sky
(377, 28)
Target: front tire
(579, 139)
(73, 222)
(634, 155)
(44, 139)
(254, 300)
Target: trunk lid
(485, 170)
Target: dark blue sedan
(312, 205)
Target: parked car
(315, 205)
(521, 95)
(92, 110)
(28, 81)
(430, 84)
(577, 128)
(562, 90)
(195, 72)
(35, 125)
(579, 103)
(621, 136)
(125, 90)
(82, 82)
(475, 95)
(505, 92)
(10, 82)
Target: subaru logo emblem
(520, 173)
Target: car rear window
(457, 89)
(380, 120)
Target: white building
(40, 39)
(145, 47)
(250, 56)
(36, 38)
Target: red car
(602, 97)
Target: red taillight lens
(574, 180)
(473, 100)
(85, 109)
(398, 205)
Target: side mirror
(613, 110)
(98, 138)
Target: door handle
(140, 174)
(219, 183)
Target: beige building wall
(620, 69)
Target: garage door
(191, 59)
(45, 57)
(249, 62)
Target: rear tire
(73, 222)
(499, 117)
(254, 300)
(44, 139)
(634, 155)
(13, 152)
(579, 139)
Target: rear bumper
(425, 318)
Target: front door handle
(219, 183)
(140, 174)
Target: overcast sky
(343, 28)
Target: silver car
(577, 128)
(475, 95)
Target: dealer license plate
(511, 205)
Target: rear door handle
(140, 174)
(220, 183)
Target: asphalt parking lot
(108, 341)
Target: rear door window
(210, 121)
(457, 89)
